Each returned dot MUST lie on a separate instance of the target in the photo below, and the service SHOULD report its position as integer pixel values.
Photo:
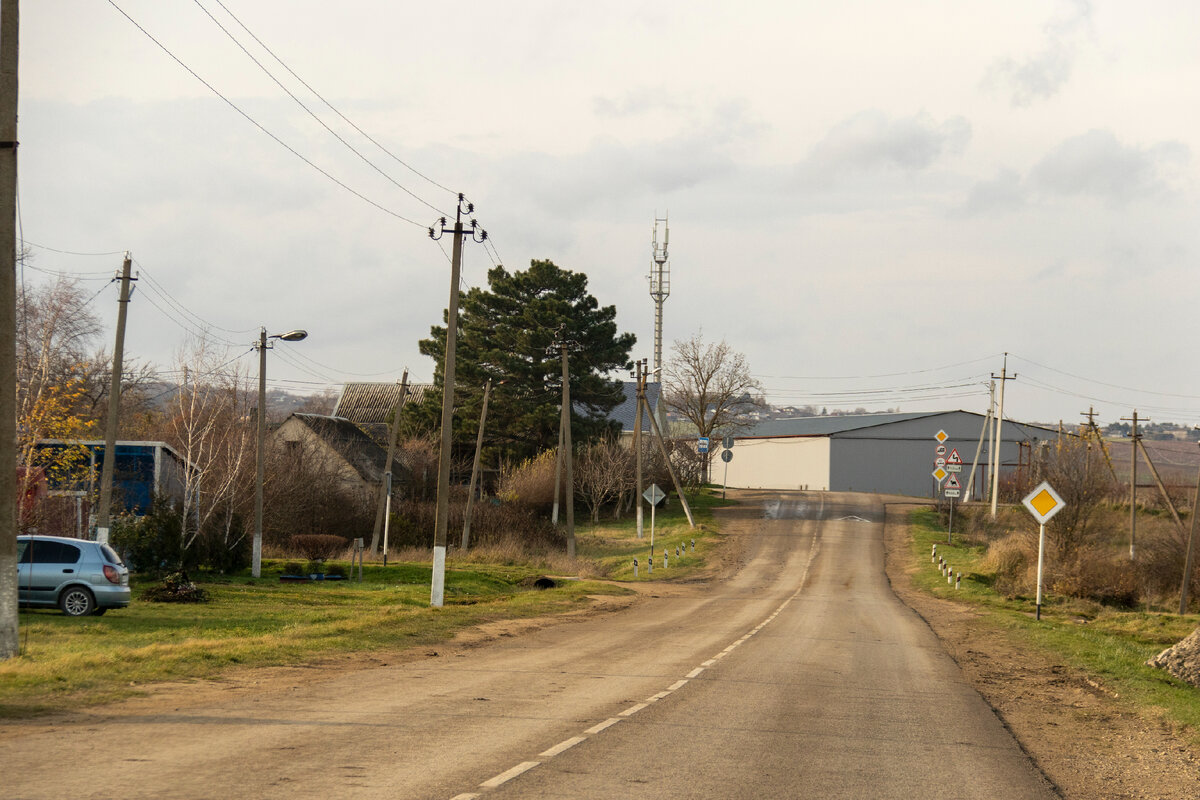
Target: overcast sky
(854, 189)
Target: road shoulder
(1084, 739)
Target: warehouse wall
(784, 463)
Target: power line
(258, 125)
(1109, 385)
(308, 110)
(160, 289)
(69, 252)
(330, 105)
(883, 375)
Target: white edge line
(708, 663)
(608, 723)
(633, 709)
(696, 672)
(677, 685)
(505, 777)
(561, 746)
(466, 796)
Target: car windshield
(110, 555)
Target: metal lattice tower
(660, 288)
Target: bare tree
(711, 386)
(208, 425)
(54, 333)
(601, 472)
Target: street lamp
(262, 345)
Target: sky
(872, 201)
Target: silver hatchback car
(78, 576)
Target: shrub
(152, 543)
(318, 546)
(335, 569)
(176, 588)
(1010, 560)
(1103, 580)
(293, 568)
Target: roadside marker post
(1043, 503)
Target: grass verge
(1111, 645)
(70, 662)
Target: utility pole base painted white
(102, 535)
(437, 595)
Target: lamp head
(292, 336)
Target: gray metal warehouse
(886, 453)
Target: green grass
(68, 662)
(613, 545)
(1111, 645)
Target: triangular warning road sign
(954, 457)
(952, 482)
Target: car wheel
(77, 601)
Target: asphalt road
(800, 675)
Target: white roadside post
(1043, 502)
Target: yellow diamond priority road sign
(941, 437)
(1043, 502)
(940, 474)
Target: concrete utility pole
(466, 536)
(109, 467)
(637, 441)
(1135, 437)
(558, 459)
(568, 456)
(1003, 377)
(262, 345)
(385, 491)
(442, 522)
(9, 639)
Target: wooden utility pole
(1135, 437)
(567, 455)
(108, 468)
(979, 447)
(466, 535)
(393, 435)
(9, 640)
(1189, 563)
(1141, 445)
(1003, 377)
(442, 522)
(1094, 430)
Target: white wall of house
(794, 462)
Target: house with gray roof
(343, 447)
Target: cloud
(637, 102)
(1041, 75)
(1096, 164)
(871, 141)
(1004, 192)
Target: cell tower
(660, 288)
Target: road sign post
(653, 496)
(726, 456)
(1043, 502)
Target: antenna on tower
(660, 288)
